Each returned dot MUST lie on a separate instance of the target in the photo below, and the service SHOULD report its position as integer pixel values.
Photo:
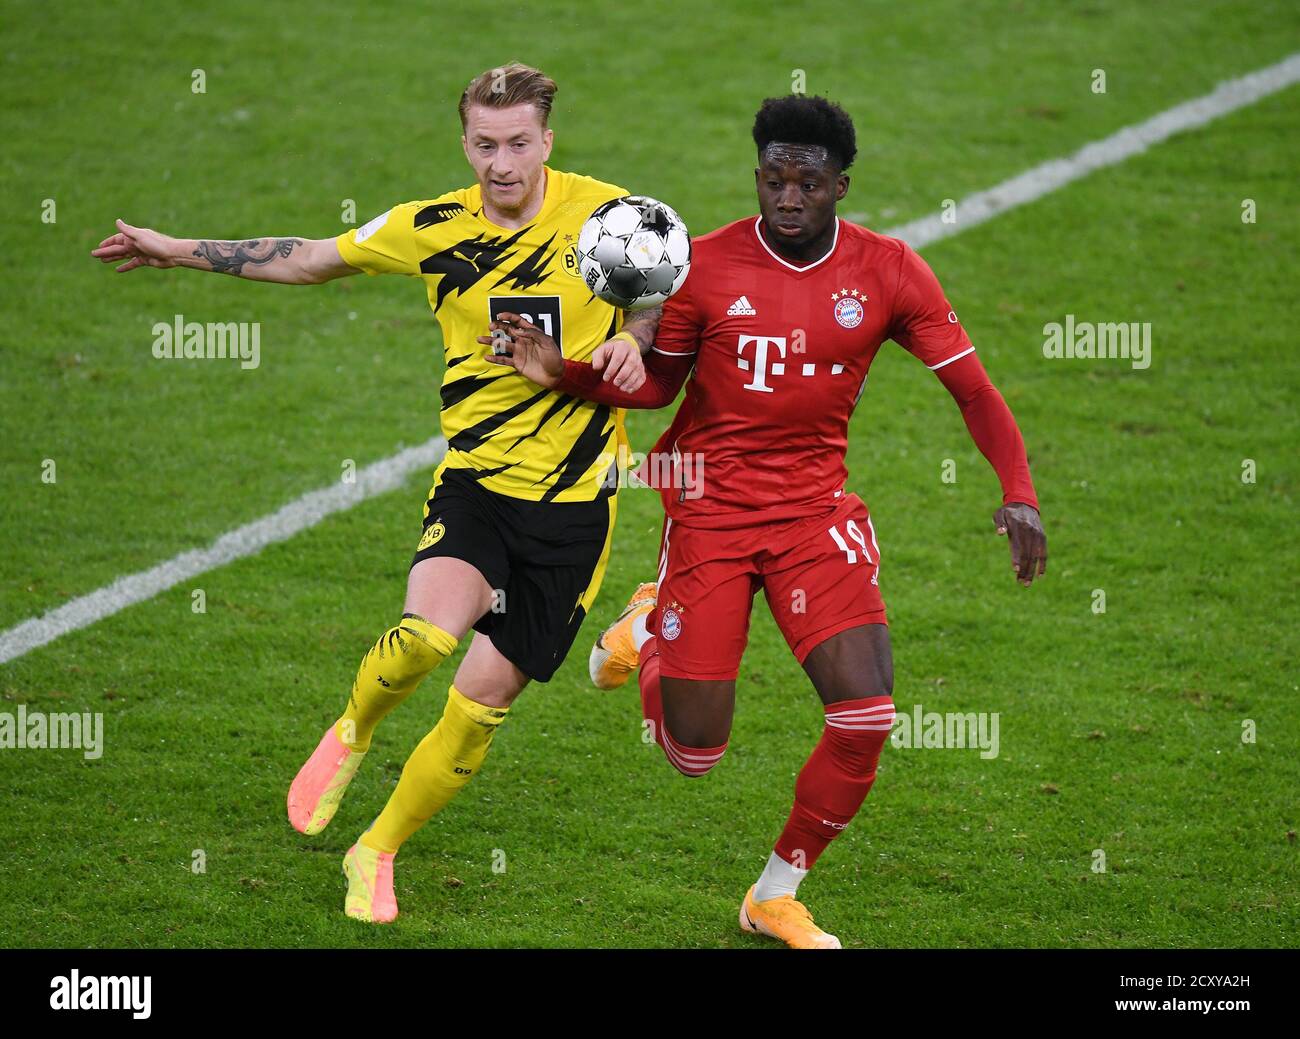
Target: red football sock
(689, 761)
(652, 704)
(836, 778)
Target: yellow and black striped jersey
(513, 436)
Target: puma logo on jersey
(741, 308)
(471, 258)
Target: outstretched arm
(534, 355)
(669, 343)
(289, 261)
(664, 376)
(927, 326)
(994, 430)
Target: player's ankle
(369, 841)
(778, 878)
(347, 733)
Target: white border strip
(390, 473)
(954, 357)
(1050, 176)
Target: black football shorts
(544, 561)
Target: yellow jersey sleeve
(385, 245)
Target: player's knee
(690, 758)
(856, 734)
(411, 650)
(689, 765)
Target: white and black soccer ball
(634, 252)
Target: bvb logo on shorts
(432, 535)
(670, 625)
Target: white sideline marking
(1047, 177)
(389, 473)
(377, 478)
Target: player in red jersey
(779, 321)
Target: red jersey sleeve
(926, 325)
(924, 322)
(663, 379)
(991, 426)
(677, 341)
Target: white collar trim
(758, 231)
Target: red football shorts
(819, 575)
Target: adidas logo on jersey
(742, 307)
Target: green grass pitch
(1120, 732)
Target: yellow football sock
(442, 764)
(389, 674)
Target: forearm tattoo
(230, 257)
(643, 327)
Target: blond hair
(507, 86)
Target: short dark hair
(797, 119)
(507, 86)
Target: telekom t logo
(760, 368)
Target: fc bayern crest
(670, 625)
(848, 312)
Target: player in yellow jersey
(518, 524)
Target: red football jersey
(781, 355)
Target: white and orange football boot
(615, 656)
(370, 885)
(318, 788)
(786, 919)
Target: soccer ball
(634, 252)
